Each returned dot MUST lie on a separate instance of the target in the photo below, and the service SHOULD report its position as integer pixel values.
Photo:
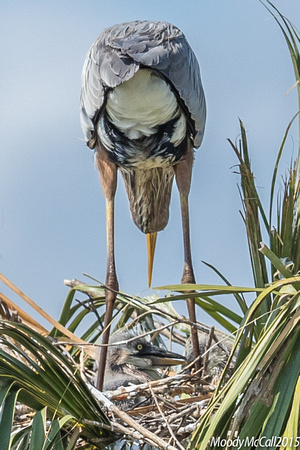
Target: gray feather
(117, 55)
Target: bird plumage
(149, 193)
(138, 106)
(121, 50)
(143, 111)
(217, 353)
(142, 98)
(133, 360)
(142, 125)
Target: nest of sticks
(169, 412)
(165, 418)
(167, 415)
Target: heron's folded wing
(119, 52)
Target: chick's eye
(139, 346)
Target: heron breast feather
(137, 106)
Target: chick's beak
(160, 357)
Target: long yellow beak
(151, 241)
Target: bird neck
(149, 193)
(123, 375)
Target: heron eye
(139, 346)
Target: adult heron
(143, 111)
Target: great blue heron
(143, 111)
(133, 360)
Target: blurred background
(52, 212)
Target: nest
(162, 413)
(168, 413)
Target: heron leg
(183, 174)
(108, 177)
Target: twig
(188, 429)
(165, 420)
(127, 419)
(207, 349)
(191, 364)
(89, 292)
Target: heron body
(143, 111)
(133, 360)
(217, 353)
(145, 124)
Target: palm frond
(245, 405)
(38, 374)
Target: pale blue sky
(52, 214)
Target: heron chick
(133, 360)
(216, 354)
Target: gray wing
(119, 52)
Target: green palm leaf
(36, 372)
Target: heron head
(136, 351)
